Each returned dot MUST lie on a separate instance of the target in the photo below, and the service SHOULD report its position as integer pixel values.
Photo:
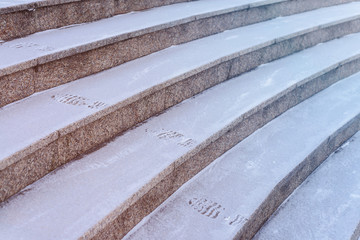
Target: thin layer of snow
(85, 191)
(217, 202)
(12, 3)
(57, 40)
(326, 205)
(46, 43)
(23, 123)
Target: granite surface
(189, 166)
(35, 17)
(295, 178)
(185, 167)
(61, 67)
(253, 157)
(97, 130)
(86, 137)
(325, 205)
(124, 6)
(24, 18)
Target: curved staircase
(175, 119)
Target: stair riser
(307, 5)
(284, 48)
(21, 23)
(93, 132)
(296, 177)
(76, 140)
(82, 137)
(118, 226)
(125, 6)
(34, 18)
(25, 79)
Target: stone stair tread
(217, 202)
(20, 5)
(86, 191)
(121, 85)
(50, 45)
(15, 5)
(21, 18)
(326, 205)
(56, 43)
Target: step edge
(18, 159)
(15, 157)
(33, 5)
(345, 132)
(171, 166)
(115, 39)
(178, 162)
(121, 37)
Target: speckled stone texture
(90, 136)
(34, 19)
(255, 119)
(124, 6)
(28, 170)
(23, 20)
(30, 18)
(286, 47)
(26, 19)
(87, 137)
(82, 63)
(16, 86)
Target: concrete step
(326, 205)
(51, 58)
(104, 194)
(20, 18)
(237, 193)
(82, 115)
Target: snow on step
(326, 205)
(86, 191)
(217, 202)
(110, 87)
(18, 5)
(108, 30)
(40, 47)
(13, 3)
(23, 3)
